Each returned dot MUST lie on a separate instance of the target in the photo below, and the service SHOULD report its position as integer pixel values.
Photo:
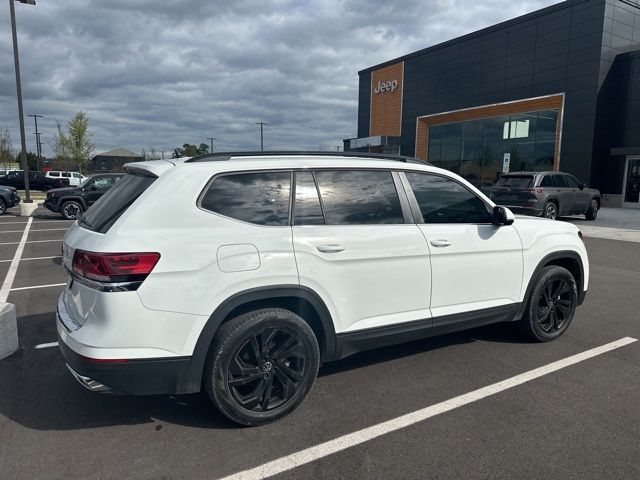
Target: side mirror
(502, 216)
(581, 186)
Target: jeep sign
(390, 86)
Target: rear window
(108, 209)
(513, 181)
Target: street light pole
(16, 60)
(38, 149)
(262, 124)
(37, 134)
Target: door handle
(440, 243)
(331, 248)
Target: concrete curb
(8, 330)
(27, 209)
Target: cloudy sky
(166, 72)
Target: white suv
(241, 273)
(74, 178)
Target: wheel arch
(78, 199)
(568, 259)
(301, 300)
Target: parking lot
(579, 421)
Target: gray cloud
(165, 73)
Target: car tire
(551, 304)
(261, 366)
(592, 211)
(71, 210)
(3, 206)
(550, 211)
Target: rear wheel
(71, 210)
(592, 211)
(551, 305)
(3, 206)
(550, 211)
(261, 366)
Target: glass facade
(475, 148)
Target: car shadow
(37, 391)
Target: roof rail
(223, 156)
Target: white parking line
(40, 230)
(46, 345)
(37, 286)
(351, 440)
(33, 241)
(33, 258)
(13, 268)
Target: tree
(189, 150)
(151, 153)
(7, 153)
(76, 144)
(32, 160)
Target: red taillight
(114, 267)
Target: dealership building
(556, 89)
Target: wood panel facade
(386, 101)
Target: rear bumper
(135, 377)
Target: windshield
(86, 181)
(514, 181)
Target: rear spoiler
(152, 168)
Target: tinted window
(559, 180)
(102, 183)
(104, 213)
(547, 181)
(307, 210)
(359, 197)
(66, 174)
(571, 182)
(442, 200)
(54, 174)
(260, 198)
(513, 181)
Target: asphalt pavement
(582, 421)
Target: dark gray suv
(549, 194)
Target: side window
(442, 200)
(54, 174)
(571, 181)
(307, 209)
(547, 181)
(559, 181)
(359, 197)
(66, 174)
(261, 198)
(76, 175)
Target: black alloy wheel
(551, 211)
(267, 369)
(261, 366)
(3, 206)
(592, 211)
(554, 305)
(551, 304)
(71, 210)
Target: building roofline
(491, 29)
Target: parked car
(547, 194)
(75, 178)
(8, 198)
(242, 273)
(37, 181)
(72, 202)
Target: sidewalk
(612, 223)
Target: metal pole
(38, 146)
(211, 139)
(262, 124)
(25, 165)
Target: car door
(564, 194)
(579, 195)
(475, 265)
(356, 245)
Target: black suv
(37, 181)
(549, 194)
(8, 198)
(72, 202)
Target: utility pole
(262, 124)
(211, 139)
(16, 60)
(37, 134)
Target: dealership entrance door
(631, 192)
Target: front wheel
(71, 210)
(592, 211)
(261, 366)
(551, 305)
(3, 206)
